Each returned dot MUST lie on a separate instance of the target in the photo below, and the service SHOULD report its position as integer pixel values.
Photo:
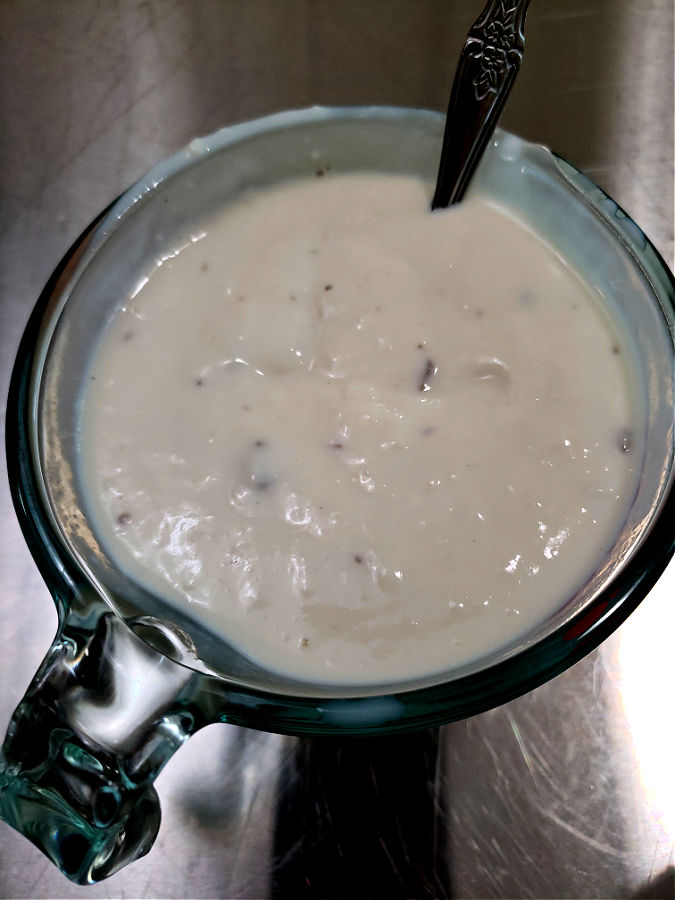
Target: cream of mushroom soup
(335, 430)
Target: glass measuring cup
(129, 678)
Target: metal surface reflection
(648, 724)
(567, 791)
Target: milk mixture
(361, 441)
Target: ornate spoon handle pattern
(488, 65)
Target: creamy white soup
(360, 440)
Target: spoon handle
(488, 65)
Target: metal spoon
(487, 68)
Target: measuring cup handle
(99, 721)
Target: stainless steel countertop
(568, 791)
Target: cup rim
(456, 697)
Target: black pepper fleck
(328, 287)
(124, 518)
(358, 558)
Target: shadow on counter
(362, 819)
